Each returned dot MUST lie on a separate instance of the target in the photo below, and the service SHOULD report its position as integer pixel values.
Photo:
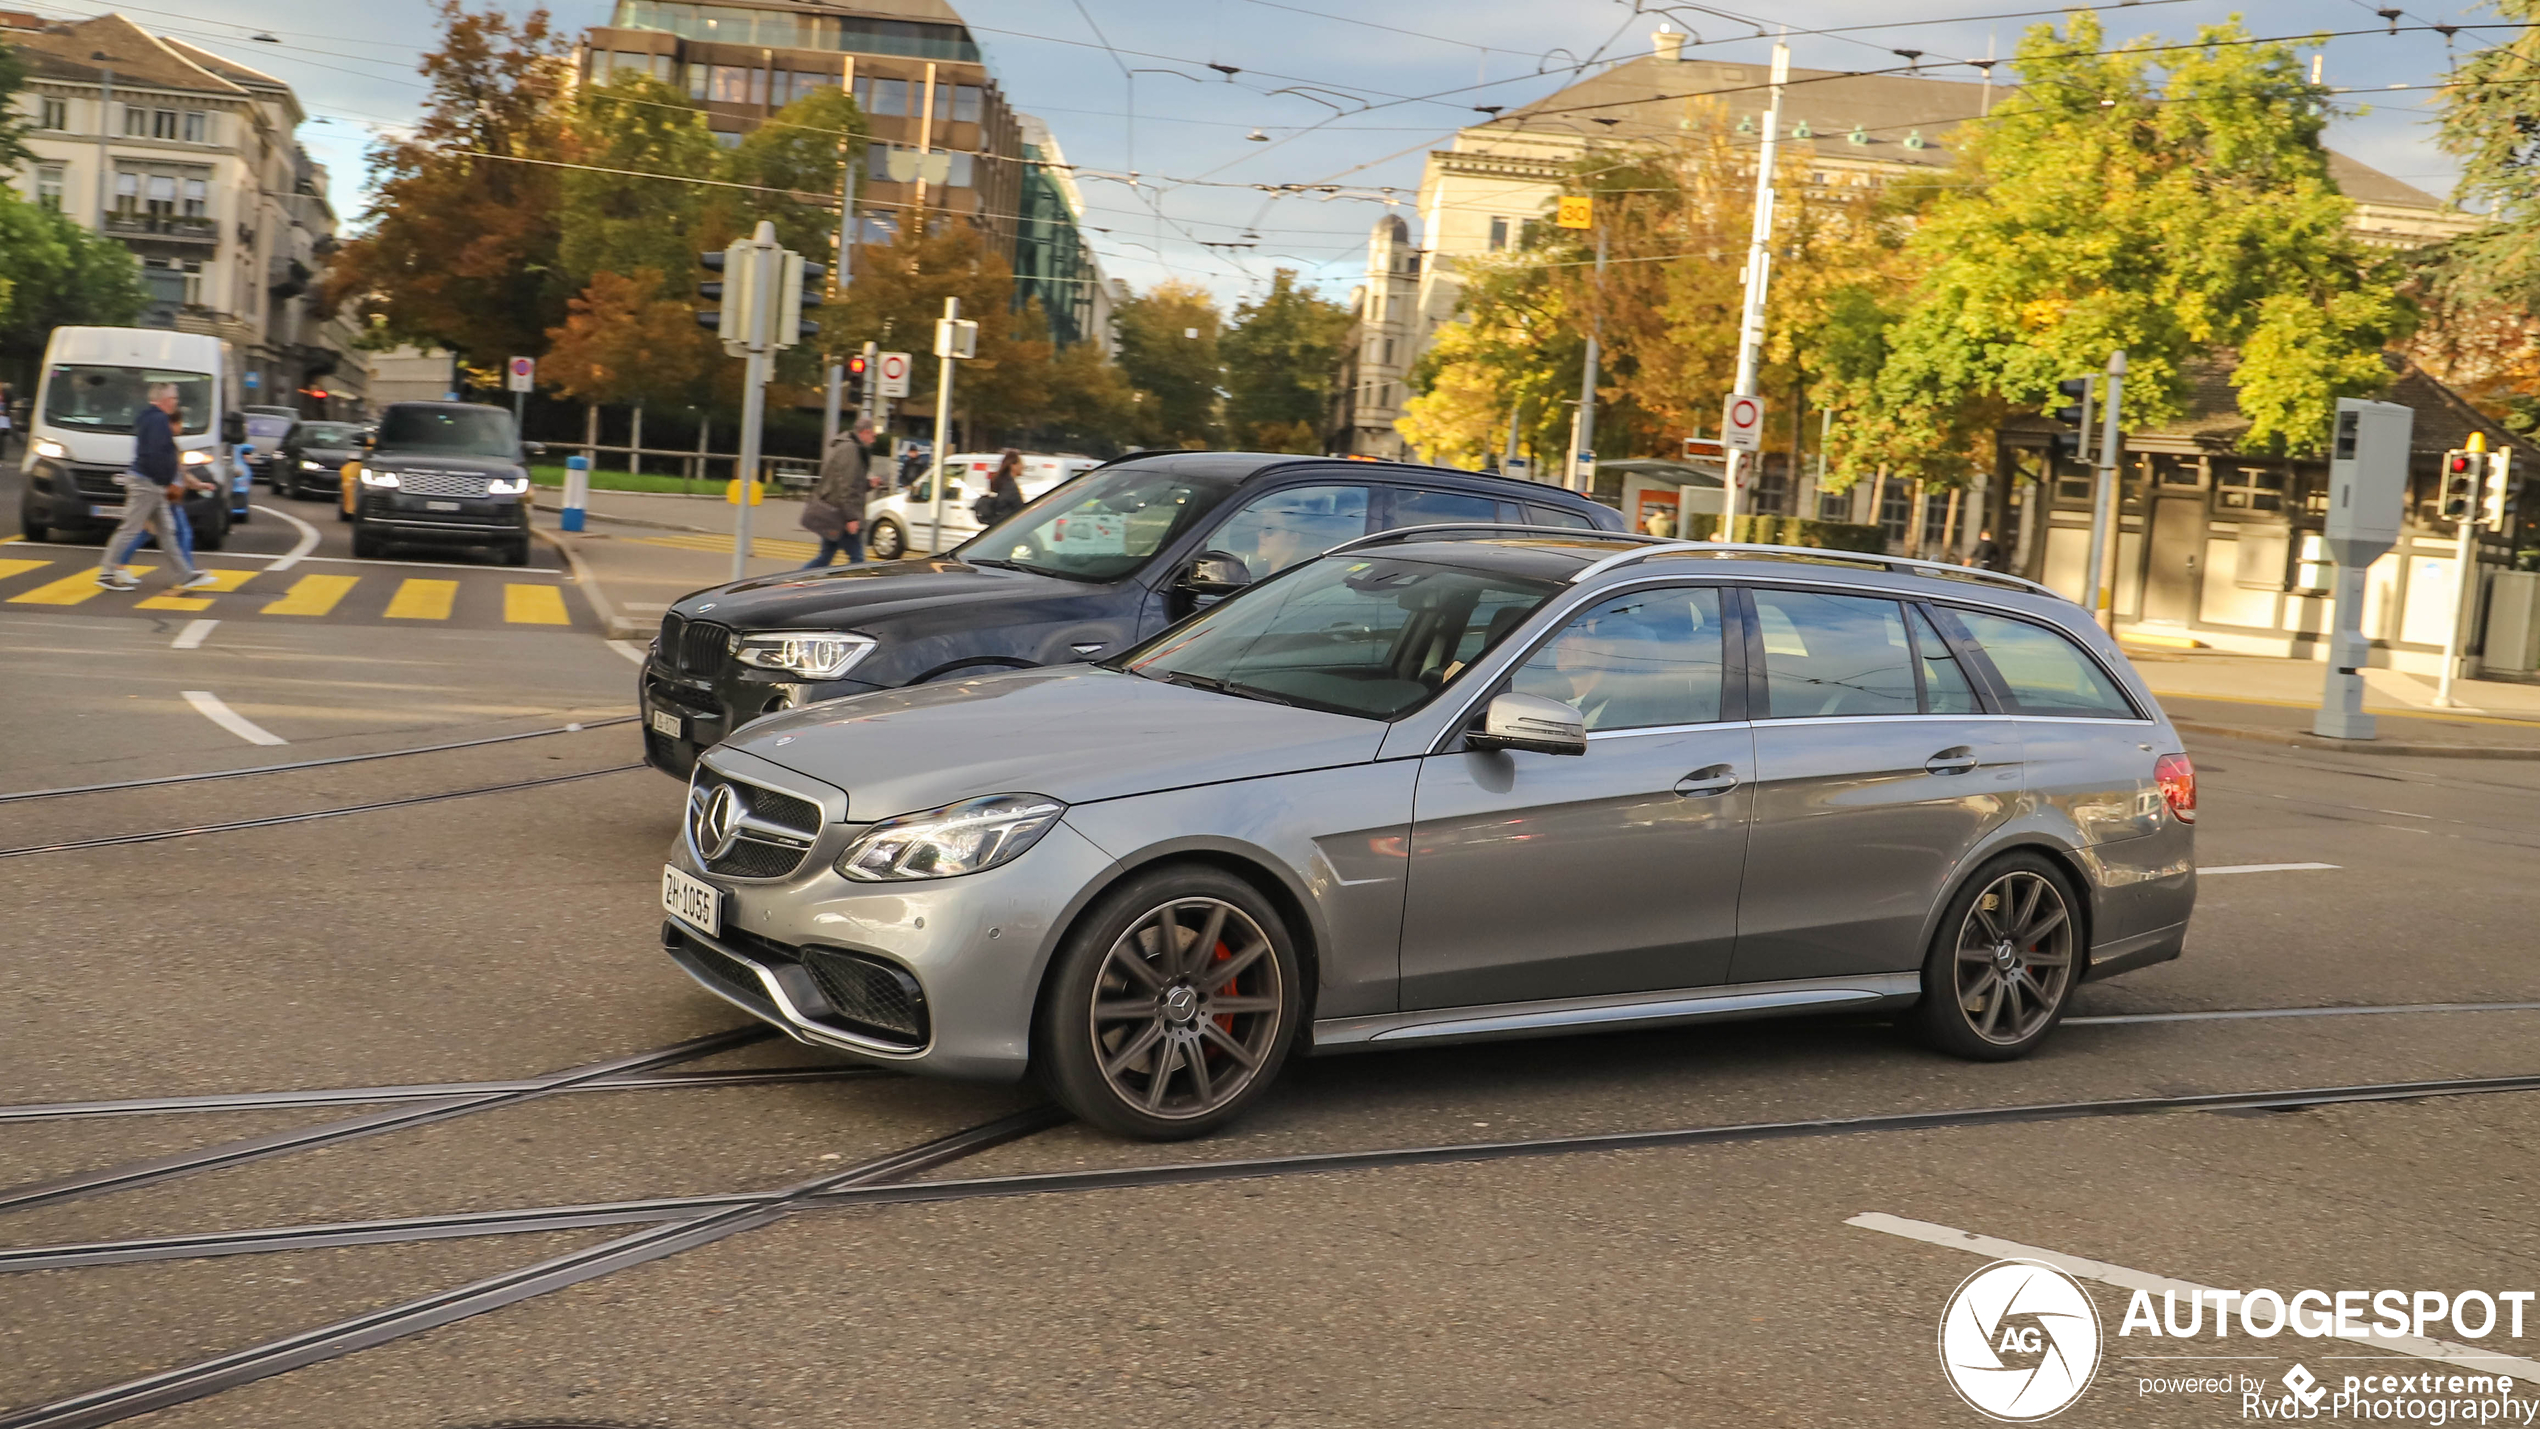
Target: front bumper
(69, 497)
(480, 520)
(706, 710)
(973, 948)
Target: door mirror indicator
(1531, 723)
(1216, 573)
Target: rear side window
(1946, 689)
(2046, 673)
(1555, 516)
(1411, 506)
(1833, 655)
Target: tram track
(166, 780)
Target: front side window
(1101, 528)
(1652, 657)
(1411, 506)
(1277, 530)
(1834, 655)
(1375, 637)
(462, 431)
(2047, 674)
(104, 399)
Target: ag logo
(2019, 1341)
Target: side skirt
(1640, 1009)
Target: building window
(136, 123)
(965, 104)
(48, 186)
(53, 114)
(890, 96)
(1498, 234)
(196, 194)
(127, 192)
(2250, 488)
(196, 125)
(163, 124)
(696, 81)
(737, 84)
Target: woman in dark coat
(1005, 490)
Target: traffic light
(856, 366)
(2496, 499)
(800, 288)
(2075, 414)
(730, 320)
(2460, 483)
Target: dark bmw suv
(447, 473)
(1091, 567)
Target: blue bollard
(577, 490)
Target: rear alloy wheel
(888, 542)
(2001, 970)
(1173, 1006)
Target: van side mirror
(1216, 573)
(233, 427)
(1531, 723)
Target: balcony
(154, 228)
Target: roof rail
(1423, 533)
(1816, 555)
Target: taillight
(2176, 774)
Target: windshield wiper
(1197, 682)
(991, 561)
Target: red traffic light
(855, 365)
(2456, 463)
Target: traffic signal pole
(2464, 559)
(1759, 282)
(2105, 503)
(943, 428)
(762, 298)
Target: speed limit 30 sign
(1742, 423)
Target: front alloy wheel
(887, 543)
(1172, 1008)
(2001, 970)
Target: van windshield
(102, 399)
(462, 431)
(1099, 528)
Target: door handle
(1951, 761)
(1714, 779)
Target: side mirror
(1216, 573)
(369, 440)
(534, 448)
(1531, 723)
(233, 427)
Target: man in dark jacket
(838, 497)
(155, 480)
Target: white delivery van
(79, 432)
(903, 521)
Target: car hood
(1074, 733)
(854, 597)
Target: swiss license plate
(692, 901)
(664, 722)
(105, 511)
(440, 506)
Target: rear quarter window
(1556, 517)
(2045, 672)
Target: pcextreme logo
(2019, 1341)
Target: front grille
(755, 853)
(800, 815)
(869, 994)
(441, 483)
(726, 972)
(751, 859)
(702, 647)
(97, 481)
(672, 626)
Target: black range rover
(1092, 566)
(448, 473)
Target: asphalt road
(508, 935)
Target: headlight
(813, 654)
(507, 486)
(955, 839)
(308, 465)
(197, 457)
(373, 477)
(54, 449)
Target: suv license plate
(440, 506)
(692, 901)
(664, 723)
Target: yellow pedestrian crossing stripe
(534, 605)
(180, 600)
(312, 595)
(423, 600)
(71, 589)
(409, 599)
(768, 546)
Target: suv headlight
(812, 654)
(955, 839)
(372, 476)
(507, 486)
(308, 465)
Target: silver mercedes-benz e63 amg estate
(1448, 784)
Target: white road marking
(2257, 1012)
(629, 649)
(229, 719)
(2445, 1351)
(191, 637)
(308, 539)
(2262, 868)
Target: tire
(215, 535)
(1119, 1006)
(366, 544)
(2015, 918)
(28, 526)
(887, 542)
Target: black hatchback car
(313, 457)
(1091, 567)
(446, 473)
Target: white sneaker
(117, 580)
(198, 581)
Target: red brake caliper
(1225, 1020)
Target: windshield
(1351, 634)
(328, 434)
(465, 431)
(103, 399)
(1099, 528)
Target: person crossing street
(835, 511)
(152, 487)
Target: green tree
(464, 220)
(896, 298)
(13, 123)
(54, 273)
(2487, 124)
(2177, 209)
(1168, 351)
(1282, 357)
(612, 221)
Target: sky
(1341, 91)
